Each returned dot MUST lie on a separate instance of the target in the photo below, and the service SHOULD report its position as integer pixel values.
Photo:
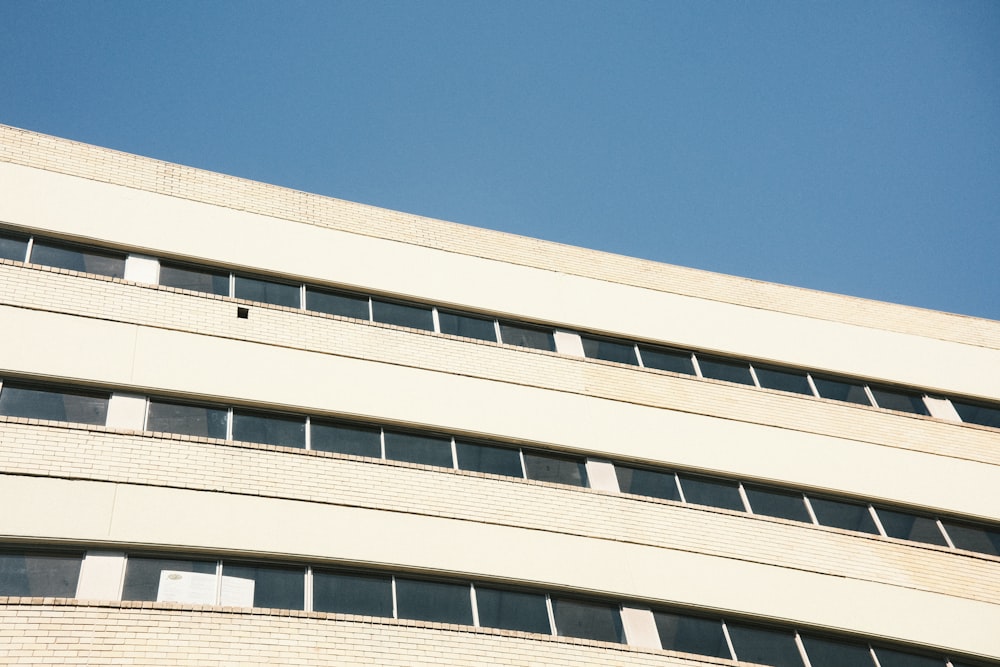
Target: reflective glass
(434, 601)
(644, 482)
(892, 399)
(197, 420)
(840, 514)
(724, 369)
(337, 303)
(467, 326)
(829, 653)
(609, 350)
(197, 280)
(269, 429)
(170, 580)
(765, 646)
(841, 391)
(890, 658)
(264, 586)
(266, 291)
(772, 502)
(403, 315)
(522, 335)
(39, 575)
(345, 438)
(429, 450)
(783, 380)
(78, 258)
(348, 593)
(974, 538)
(13, 246)
(486, 458)
(559, 469)
(588, 620)
(712, 492)
(512, 610)
(975, 413)
(66, 405)
(910, 527)
(666, 360)
(689, 634)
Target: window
(487, 458)
(13, 246)
(972, 537)
(337, 303)
(644, 482)
(268, 586)
(689, 634)
(349, 593)
(588, 620)
(559, 469)
(268, 428)
(725, 369)
(830, 653)
(608, 350)
(433, 601)
(839, 390)
(39, 575)
(523, 335)
(512, 610)
(975, 413)
(783, 380)
(402, 315)
(910, 527)
(65, 405)
(267, 291)
(465, 325)
(170, 580)
(763, 645)
(342, 438)
(429, 450)
(195, 279)
(666, 360)
(712, 492)
(890, 658)
(78, 258)
(782, 504)
(903, 401)
(840, 514)
(196, 420)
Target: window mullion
(27, 251)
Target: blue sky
(845, 146)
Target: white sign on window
(191, 587)
(237, 592)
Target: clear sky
(848, 146)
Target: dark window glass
(666, 360)
(828, 653)
(849, 516)
(197, 420)
(768, 647)
(197, 280)
(724, 369)
(266, 586)
(39, 575)
(841, 391)
(974, 538)
(266, 291)
(170, 580)
(485, 458)
(429, 450)
(467, 326)
(559, 469)
(783, 504)
(974, 413)
(345, 438)
(892, 399)
(772, 378)
(13, 246)
(346, 593)
(269, 429)
(688, 634)
(433, 601)
(647, 482)
(712, 492)
(890, 658)
(588, 620)
(512, 610)
(403, 315)
(910, 527)
(78, 258)
(609, 350)
(65, 405)
(337, 303)
(527, 336)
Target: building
(247, 425)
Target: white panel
(640, 627)
(126, 411)
(601, 475)
(142, 269)
(101, 575)
(941, 408)
(569, 343)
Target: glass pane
(784, 380)
(345, 593)
(666, 360)
(526, 336)
(39, 575)
(346, 438)
(588, 620)
(485, 458)
(337, 303)
(433, 601)
(66, 405)
(598, 348)
(724, 369)
(688, 634)
(265, 291)
(892, 399)
(467, 326)
(910, 527)
(13, 246)
(974, 413)
(559, 469)
(783, 504)
(647, 482)
(712, 492)
(768, 647)
(828, 653)
(890, 658)
(429, 450)
(170, 580)
(840, 514)
(269, 429)
(974, 538)
(403, 315)
(263, 586)
(197, 420)
(512, 610)
(841, 391)
(77, 258)
(197, 280)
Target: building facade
(241, 424)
